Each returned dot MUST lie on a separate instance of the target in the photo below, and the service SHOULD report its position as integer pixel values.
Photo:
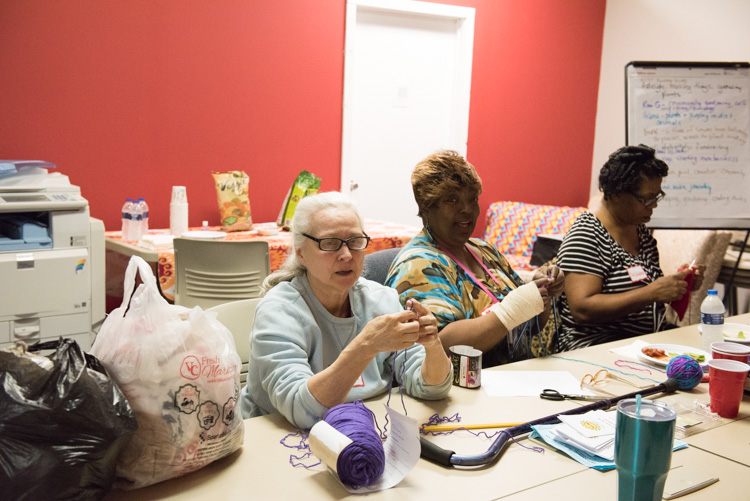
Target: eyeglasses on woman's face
(650, 202)
(333, 244)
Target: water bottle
(126, 210)
(712, 320)
(144, 214)
(136, 218)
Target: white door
(407, 81)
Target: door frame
(464, 17)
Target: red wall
(129, 97)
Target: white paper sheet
(402, 451)
(630, 351)
(530, 383)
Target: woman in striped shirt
(614, 286)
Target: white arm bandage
(519, 306)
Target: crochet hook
(459, 426)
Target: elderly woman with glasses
(323, 336)
(614, 287)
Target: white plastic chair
(238, 317)
(211, 272)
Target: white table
(261, 469)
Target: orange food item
(656, 353)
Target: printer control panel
(16, 202)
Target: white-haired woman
(324, 336)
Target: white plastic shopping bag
(180, 372)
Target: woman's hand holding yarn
(669, 288)
(392, 332)
(557, 286)
(542, 284)
(428, 330)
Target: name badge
(637, 273)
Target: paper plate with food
(661, 354)
(737, 333)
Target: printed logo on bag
(208, 415)
(228, 415)
(210, 367)
(190, 368)
(187, 398)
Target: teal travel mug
(644, 437)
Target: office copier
(51, 257)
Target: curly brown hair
(623, 170)
(439, 174)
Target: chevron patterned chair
(513, 227)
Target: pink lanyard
(471, 275)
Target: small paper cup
(730, 351)
(726, 384)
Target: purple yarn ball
(686, 370)
(363, 461)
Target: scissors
(556, 395)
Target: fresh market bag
(180, 371)
(63, 422)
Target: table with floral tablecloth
(383, 235)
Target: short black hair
(626, 167)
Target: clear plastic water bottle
(126, 217)
(712, 320)
(144, 214)
(136, 218)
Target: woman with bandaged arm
(476, 297)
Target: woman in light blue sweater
(323, 336)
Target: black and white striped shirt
(589, 248)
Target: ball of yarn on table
(686, 370)
(362, 462)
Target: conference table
(383, 235)
(262, 469)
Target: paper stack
(588, 438)
(156, 242)
(594, 432)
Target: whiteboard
(697, 118)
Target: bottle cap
(713, 292)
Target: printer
(51, 257)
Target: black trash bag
(63, 422)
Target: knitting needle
(458, 426)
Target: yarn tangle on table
(362, 462)
(686, 370)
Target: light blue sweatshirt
(295, 337)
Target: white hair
(304, 222)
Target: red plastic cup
(730, 351)
(725, 386)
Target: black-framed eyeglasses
(648, 202)
(333, 244)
